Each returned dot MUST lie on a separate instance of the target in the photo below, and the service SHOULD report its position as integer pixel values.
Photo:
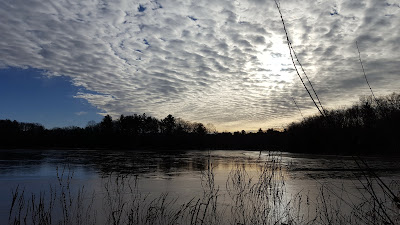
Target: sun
(274, 66)
(276, 61)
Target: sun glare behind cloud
(274, 66)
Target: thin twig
(298, 108)
(291, 56)
(359, 57)
(305, 74)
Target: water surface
(178, 173)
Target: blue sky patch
(192, 18)
(26, 95)
(141, 8)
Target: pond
(183, 175)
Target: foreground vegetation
(246, 199)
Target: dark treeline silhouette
(134, 132)
(369, 126)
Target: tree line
(133, 132)
(369, 126)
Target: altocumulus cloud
(222, 62)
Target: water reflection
(170, 164)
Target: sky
(224, 62)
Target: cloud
(208, 61)
(81, 113)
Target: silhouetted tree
(168, 125)
(183, 127)
(106, 125)
(151, 125)
(199, 129)
(211, 128)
